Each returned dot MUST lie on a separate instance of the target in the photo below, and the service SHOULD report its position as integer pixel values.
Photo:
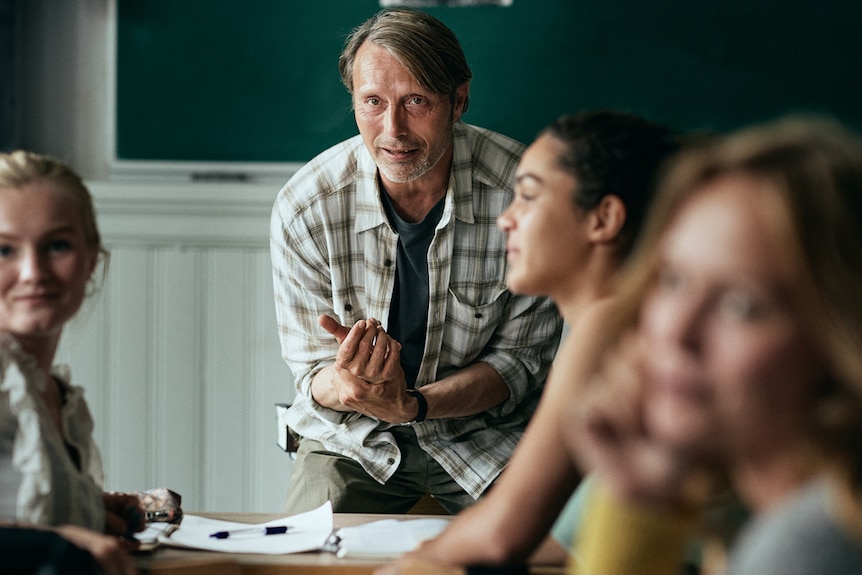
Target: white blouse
(40, 481)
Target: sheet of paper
(388, 538)
(308, 532)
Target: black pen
(271, 530)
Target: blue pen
(272, 530)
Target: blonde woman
(738, 349)
(50, 468)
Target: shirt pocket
(472, 317)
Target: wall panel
(179, 353)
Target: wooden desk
(174, 561)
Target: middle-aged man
(398, 224)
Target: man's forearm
(471, 390)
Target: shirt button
(348, 307)
(387, 263)
(390, 461)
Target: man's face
(406, 127)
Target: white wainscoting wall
(179, 351)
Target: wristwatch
(423, 407)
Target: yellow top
(621, 538)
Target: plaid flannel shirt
(333, 252)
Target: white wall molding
(193, 215)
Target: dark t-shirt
(408, 316)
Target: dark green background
(257, 80)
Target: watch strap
(423, 407)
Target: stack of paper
(310, 531)
(388, 538)
(306, 532)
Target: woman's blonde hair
(19, 169)
(814, 167)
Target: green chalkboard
(257, 80)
